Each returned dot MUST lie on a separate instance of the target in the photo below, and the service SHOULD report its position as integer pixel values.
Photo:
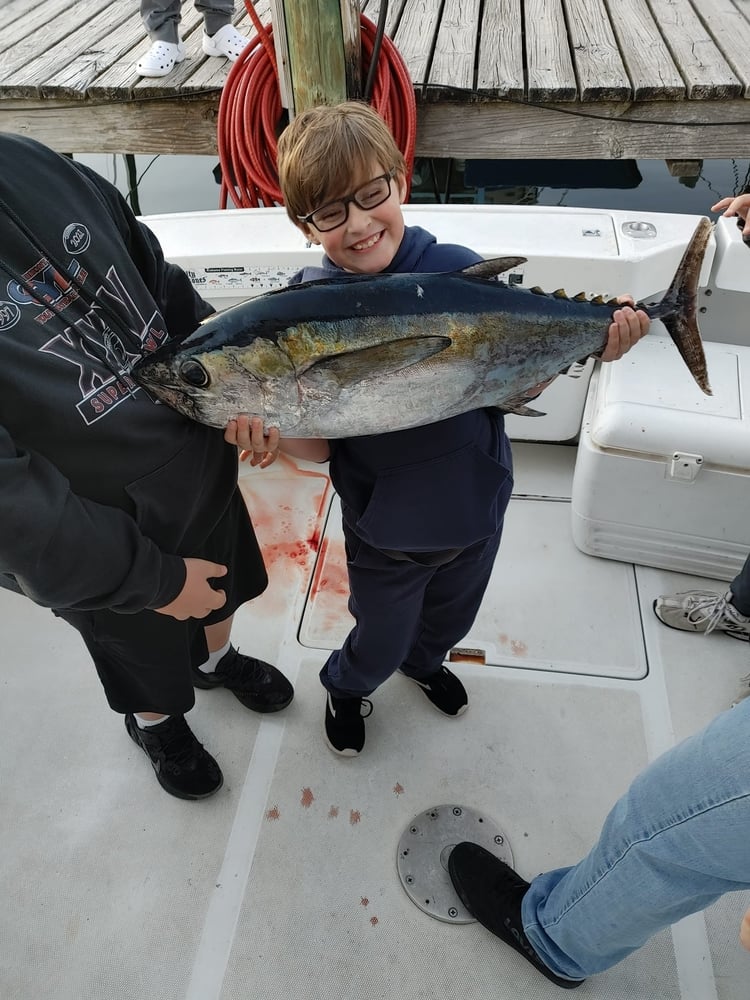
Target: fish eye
(194, 374)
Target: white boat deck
(285, 883)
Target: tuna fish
(366, 354)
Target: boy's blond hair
(326, 149)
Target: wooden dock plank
(452, 67)
(124, 44)
(707, 74)
(371, 9)
(503, 73)
(72, 38)
(129, 42)
(500, 61)
(620, 131)
(483, 129)
(19, 40)
(415, 37)
(12, 10)
(549, 66)
(730, 30)
(598, 64)
(646, 55)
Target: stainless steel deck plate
(424, 849)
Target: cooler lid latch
(684, 467)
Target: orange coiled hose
(250, 111)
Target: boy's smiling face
(369, 239)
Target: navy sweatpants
(408, 616)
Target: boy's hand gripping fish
(366, 354)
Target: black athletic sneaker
(492, 892)
(345, 724)
(183, 768)
(256, 684)
(445, 691)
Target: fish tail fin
(678, 309)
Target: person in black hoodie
(117, 513)
(422, 508)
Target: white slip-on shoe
(160, 59)
(226, 42)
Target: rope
(250, 113)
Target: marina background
(187, 183)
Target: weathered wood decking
(494, 78)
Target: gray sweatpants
(162, 17)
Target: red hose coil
(250, 109)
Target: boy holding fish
(422, 508)
(118, 513)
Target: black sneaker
(256, 684)
(492, 892)
(445, 691)
(183, 768)
(345, 724)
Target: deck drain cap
(424, 849)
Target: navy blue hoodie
(433, 488)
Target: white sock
(147, 723)
(213, 659)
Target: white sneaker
(160, 59)
(702, 611)
(226, 42)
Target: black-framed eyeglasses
(335, 213)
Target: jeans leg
(673, 844)
(740, 588)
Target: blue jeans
(675, 842)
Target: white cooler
(662, 476)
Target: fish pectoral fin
(491, 268)
(521, 410)
(371, 362)
(517, 404)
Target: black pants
(407, 615)
(143, 660)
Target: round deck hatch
(424, 849)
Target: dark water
(186, 183)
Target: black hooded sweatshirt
(102, 489)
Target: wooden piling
(319, 51)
